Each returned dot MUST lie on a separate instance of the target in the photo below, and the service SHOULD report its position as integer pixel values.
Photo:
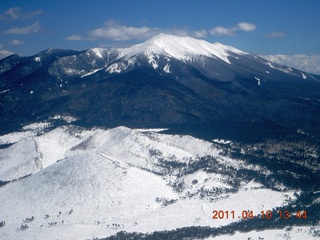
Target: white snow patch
(258, 79)
(97, 51)
(116, 67)
(287, 70)
(18, 160)
(317, 80)
(92, 72)
(317, 200)
(221, 141)
(200, 212)
(7, 90)
(15, 137)
(269, 63)
(66, 118)
(167, 68)
(151, 129)
(152, 61)
(37, 59)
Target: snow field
(94, 183)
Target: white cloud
(24, 30)
(222, 31)
(16, 13)
(175, 31)
(199, 34)
(308, 63)
(117, 32)
(275, 35)
(12, 13)
(16, 42)
(242, 26)
(75, 37)
(245, 26)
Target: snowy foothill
(77, 183)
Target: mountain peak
(180, 47)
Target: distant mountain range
(147, 142)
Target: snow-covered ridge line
(181, 48)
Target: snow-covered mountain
(145, 142)
(162, 48)
(165, 81)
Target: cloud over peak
(199, 34)
(115, 31)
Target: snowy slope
(181, 48)
(96, 182)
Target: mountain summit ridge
(182, 48)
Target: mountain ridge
(140, 86)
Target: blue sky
(261, 27)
